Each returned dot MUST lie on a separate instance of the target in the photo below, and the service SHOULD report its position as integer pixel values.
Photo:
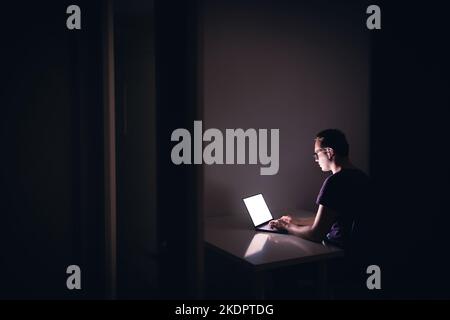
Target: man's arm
(323, 221)
(298, 221)
(303, 221)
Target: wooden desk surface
(236, 237)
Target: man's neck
(340, 164)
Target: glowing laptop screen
(257, 207)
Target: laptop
(260, 213)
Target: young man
(342, 199)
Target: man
(342, 199)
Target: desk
(263, 251)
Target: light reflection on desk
(264, 249)
(257, 244)
(281, 240)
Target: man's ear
(330, 153)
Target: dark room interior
(87, 178)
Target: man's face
(321, 157)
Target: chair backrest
(362, 239)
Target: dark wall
(136, 146)
(178, 191)
(51, 158)
(300, 67)
(410, 81)
(52, 161)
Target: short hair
(335, 139)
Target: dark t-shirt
(346, 192)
